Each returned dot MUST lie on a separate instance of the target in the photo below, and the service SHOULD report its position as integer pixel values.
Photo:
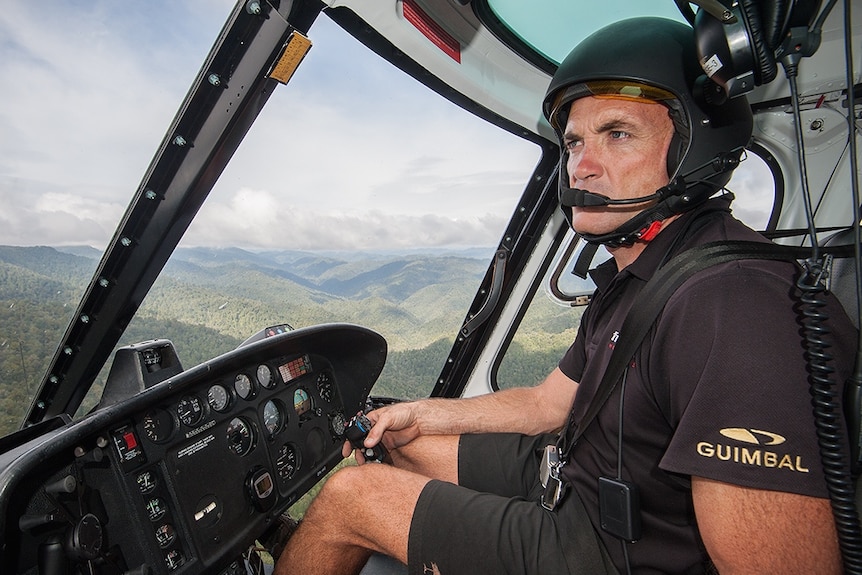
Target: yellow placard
(294, 51)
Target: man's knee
(342, 485)
(357, 485)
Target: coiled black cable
(827, 414)
(826, 403)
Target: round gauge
(146, 481)
(174, 558)
(158, 425)
(240, 436)
(156, 509)
(218, 397)
(301, 401)
(190, 410)
(273, 417)
(243, 386)
(324, 387)
(264, 376)
(337, 423)
(287, 462)
(165, 535)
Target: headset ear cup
(765, 68)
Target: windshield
(358, 196)
(553, 27)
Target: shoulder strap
(649, 305)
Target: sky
(350, 154)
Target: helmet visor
(611, 89)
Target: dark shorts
(493, 522)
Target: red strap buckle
(649, 233)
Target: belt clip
(549, 475)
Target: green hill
(207, 301)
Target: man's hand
(395, 425)
(529, 410)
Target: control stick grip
(356, 431)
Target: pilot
(705, 453)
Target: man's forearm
(530, 411)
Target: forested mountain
(207, 301)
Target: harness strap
(649, 304)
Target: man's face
(617, 148)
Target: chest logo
(614, 339)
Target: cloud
(57, 219)
(342, 150)
(351, 153)
(90, 91)
(351, 148)
(258, 219)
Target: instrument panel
(182, 477)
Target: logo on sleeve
(752, 447)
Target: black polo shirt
(719, 389)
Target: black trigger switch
(356, 431)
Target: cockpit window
(357, 198)
(552, 28)
(759, 191)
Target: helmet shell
(661, 53)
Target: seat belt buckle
(550, 458)
(549, 475)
